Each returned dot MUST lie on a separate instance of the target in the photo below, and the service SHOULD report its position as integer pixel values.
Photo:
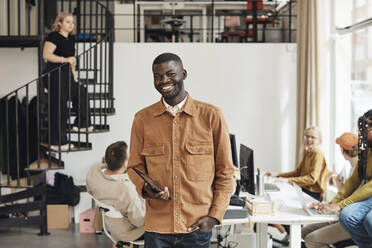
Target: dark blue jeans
(196, 239)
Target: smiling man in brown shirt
(182, 144)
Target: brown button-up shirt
(190, 154)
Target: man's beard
(174, 93)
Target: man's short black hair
(115, 155)
(165, 57)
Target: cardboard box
(87, 221)
(58, 216)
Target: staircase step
(92, 81)
(99, 95)
(20, 221)
(14, 183)
(97, 129)
(82, 146)
(88, 69)
(44, 165)
(23, 207)
(99, 111)
(94, 111)
(105, 96)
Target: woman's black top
(65, 47)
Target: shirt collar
(186, 105)
(180, 105)
(119, 177)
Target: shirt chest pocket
(199, 161)
(155, 159)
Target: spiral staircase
(25, 143)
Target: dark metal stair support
(7, 140)
(38, 88)
(40, 28)
(17, 135)
(43, 210)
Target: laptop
(309, 211)
(270, 187)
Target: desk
(291, 213)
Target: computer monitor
(233, 150)
(234, 155)
(246, 169)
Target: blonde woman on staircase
(59, 55)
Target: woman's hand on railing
(71, 60)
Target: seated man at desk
(110, 184)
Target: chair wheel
(122, 244)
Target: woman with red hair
(59, 52)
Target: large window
(353, 68)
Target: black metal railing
(28, 126)
(207, 21)
(16, 18)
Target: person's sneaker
(83, 129)
(64, 148)
(285, 240)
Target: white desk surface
(234, 221)
(291, 211)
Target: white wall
(17, 67)
(253, 84)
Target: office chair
(109, 211)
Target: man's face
(168, 79)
